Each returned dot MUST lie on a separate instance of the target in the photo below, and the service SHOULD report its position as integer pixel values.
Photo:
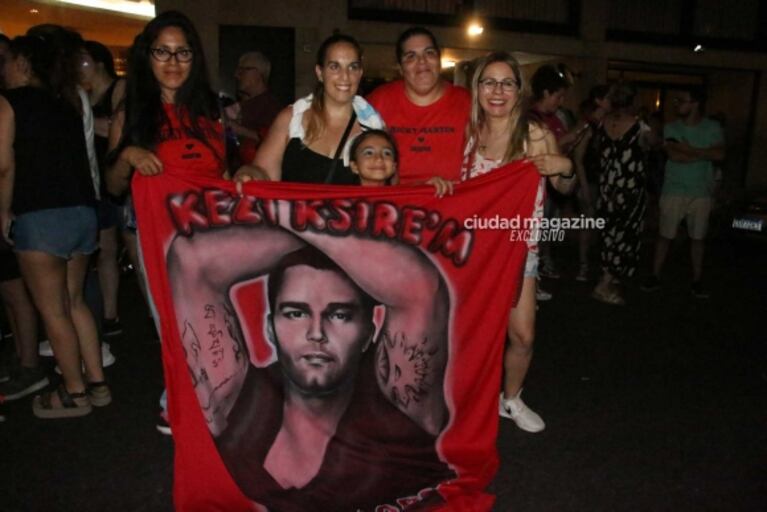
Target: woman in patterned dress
(621, 202)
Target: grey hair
(259, 61)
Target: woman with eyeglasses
(169, 108)
(500, 132)
(309, 141)
(171, 120)
(425, 113)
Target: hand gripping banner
(332, 349)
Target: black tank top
(52, 169)
(302, 165)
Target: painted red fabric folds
(333, 348)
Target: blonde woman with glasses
(500, 132)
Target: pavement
(657, 405)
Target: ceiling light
(475, 29)
(143, 9)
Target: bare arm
(580, 168)
(202, 270)
(242, 131)
(132, 157)
(572, 138)
(118, 174)
(7, 164)
(102, 124)
(412, 347)
(544, 153)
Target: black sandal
(71, 405)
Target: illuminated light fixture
(448, 63)
(475, 29)
(698, 48)
(34, 11)
(143, 9)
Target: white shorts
(695, 210)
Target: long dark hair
(144, 113)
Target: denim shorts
(62, 232)
(531, 264)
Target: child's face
(374, 161)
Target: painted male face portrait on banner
(331, 348)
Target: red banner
(333, 348)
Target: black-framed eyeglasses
(164, 55)
(507, 85)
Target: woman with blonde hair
(500, 132)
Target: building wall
(315, 20)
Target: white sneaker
(44, 349)
(107, 357)
(516, 410)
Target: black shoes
(111, 327)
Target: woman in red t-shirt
(171, 121)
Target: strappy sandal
(99, 393)
(71, 405)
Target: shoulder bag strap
(340, 150)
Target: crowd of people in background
(67, 209)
